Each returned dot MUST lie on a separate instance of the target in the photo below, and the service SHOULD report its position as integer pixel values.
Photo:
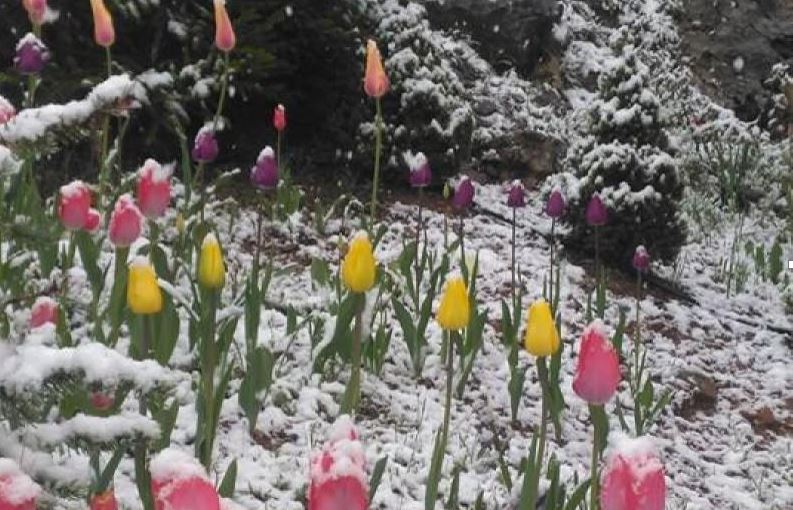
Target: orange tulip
(225, 39)
(104, 33)
(375, 82)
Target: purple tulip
(556, 205)
(31, 55)
(517, 195)
(420, 171)
(463, 194)
(641, 259)
(596, 213)
(265, 174)
(205, 148)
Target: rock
(523, 154)
(509, 33)
(717, 34)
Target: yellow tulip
(359, 268)
(211, 269)
(454, 312)
(542, 338)
(144, 296)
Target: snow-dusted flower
(154, 189)
(517, 195)
(597, 374)
(225, 39)
(104, 501)
(420, 171)
(36, 9)
(463, 193)
(338, 472)
(375, 82)
(454, 310)
(104, 32)
(205, 147)
(279, 118)
(44, 311)
(542, 337)
(359, 268)
(74, 206)
(144, 296)
(641, 259)
(101, 401)
(556, 204)
(211, 268)
(179, 482)
(125, 222)
(17, 490)
(31, 55)
(596, 213)
(633, 478)
(264, 175)
(7, 111)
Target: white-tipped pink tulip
(44, 311)
(17, 490)
(154, 189)
(125, 222)
(633, 478)
(338, 472)
(597, 374)
(74, 206)
(179, 482)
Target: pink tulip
(420, 171)
(205, 147)
(338, 472)
(225, 40)
(517, 195)
(279, 118)
(596, 213)
(633, 478)
(104, 32)
(93, 220)
(264, 175)
(597, 374)
(179, 482)
(36, 10)
(74, 205)
(104, 501)
(125, 222)
(641, 259)
(17, 490)
(154, 189)
(463, 194)
(101, 401)
(44, 311)
(556, 205)
(7, 111)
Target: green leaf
(110, 469)
(577, 497)
(377, 476)
(227, 486)
(320, 272)
(166, 418)
(454, 490)
(434, 476)
(645, 396)
(528, 495)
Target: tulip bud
(454, 311)
(179, 482)
(74, 206)
(31, 55)
(265, 174)
(211, 268)
(36, 9)
(641, 259)
(17, 490)
(463, 194)
(44, 311)
(447, 191)
(279, 118)
(633, 478)
(596, 213)
(104, 501)
(205, 148)
(597, 374)
(104, 33)
(556, 205)
(359, 268)
(154, 189)
(517, 195)
(7, 111)
(93, 221)
(375, 82)
(542, 338)
(144, 296)
(338, 472)
(225, 39)
(101, 401)
(420, 171)
(125, 222)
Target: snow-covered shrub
(780, 113)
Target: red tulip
(17, 490)
(375, 82)
(104, 501)
(101, 401)
(633, 478)
(179, 482)
(75, 205)
(338, 472)
(44, 311)
(93, 220)
(279, 118)
(597, 374)
(125, 222)
(225, 40)
(104, 32)
(36, 10)
(7, 111)
(154, 189)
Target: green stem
(105, 138)
(117, 300)
(462, 241)
(278, 153)
(542, 372)
(594, 482)
(352, 395)
(378, 134)
(514, 224)
(419, 228)
(142, 475)
(208, 375)
(224, 86)
(550, 278)
(637, 369)
(453, 336)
